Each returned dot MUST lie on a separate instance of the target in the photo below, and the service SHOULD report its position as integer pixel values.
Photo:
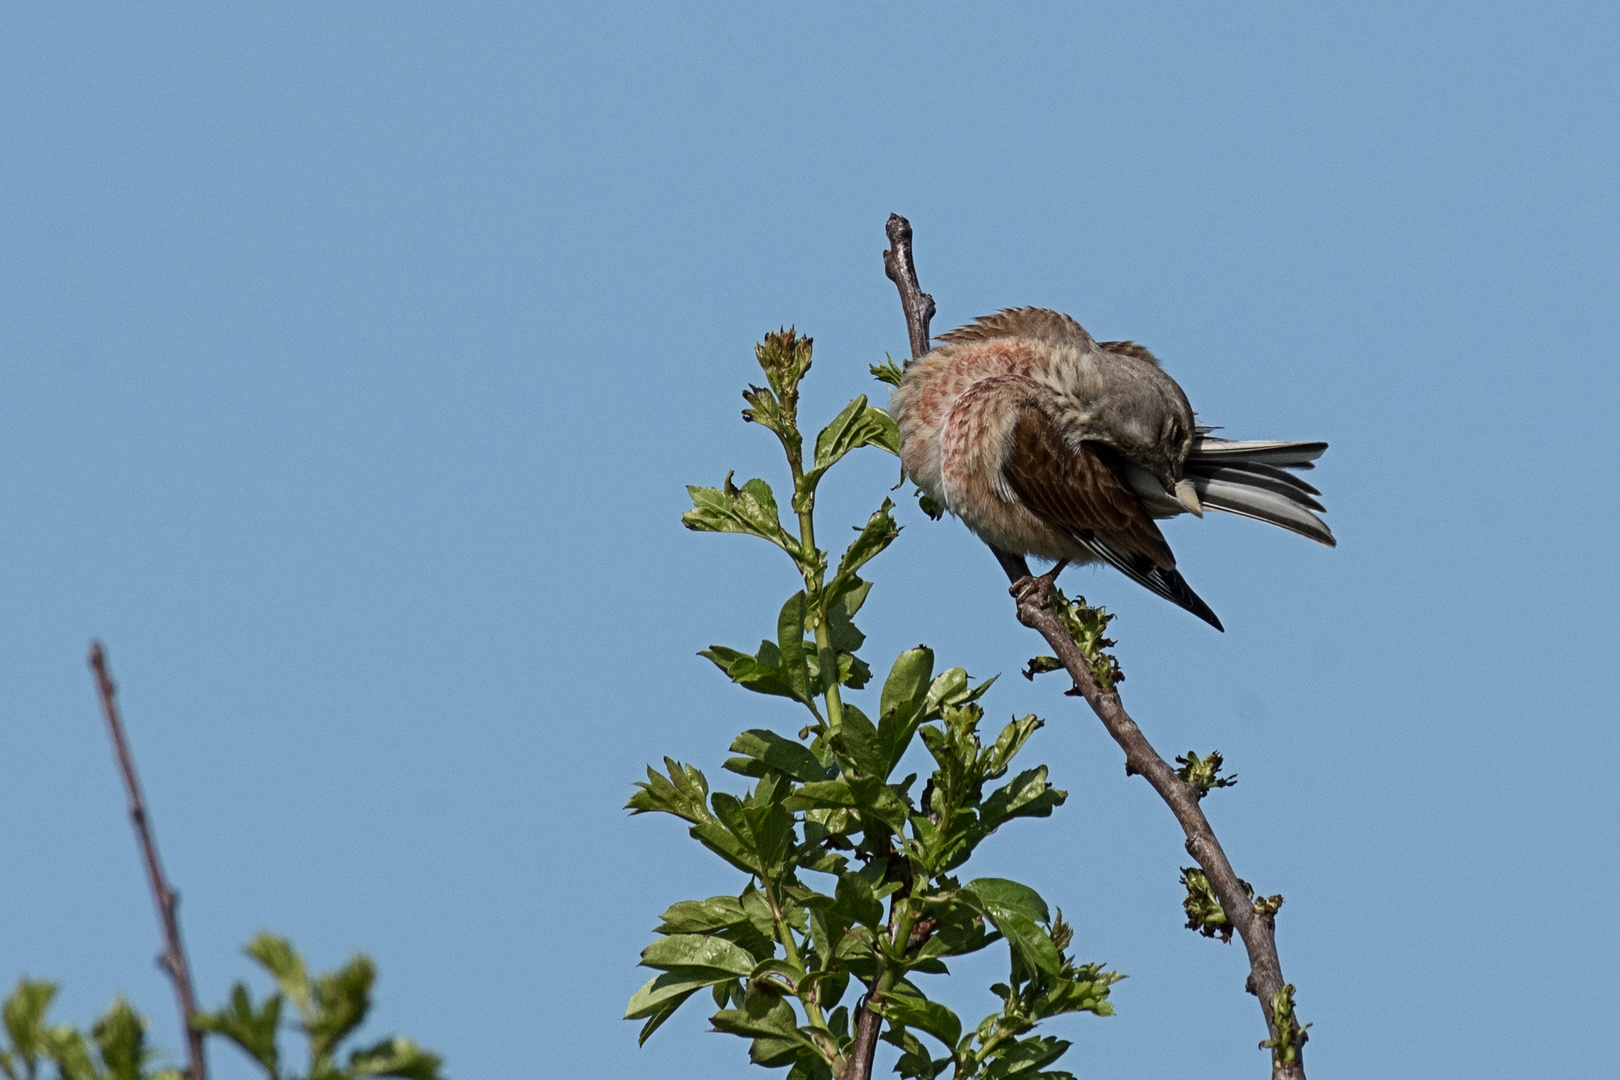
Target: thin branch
(1256, 926)
(173, 957)
(897, 263)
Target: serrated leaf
(702, 916)
(750, 509)
(888, 371)
(765, 831)
(683, 793)
(254, 1031)
(869, 795)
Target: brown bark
(173, 957)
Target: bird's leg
(1026, 587)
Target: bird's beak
(1188, 497)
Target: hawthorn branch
(1255, 924)
(173, 957)
(902, 271)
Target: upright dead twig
(1254, 922)
(173, 957)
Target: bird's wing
(1019, 322)
(1081, 493)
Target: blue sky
(353, 359)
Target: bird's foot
(1034, 590)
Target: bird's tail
(1250, 477)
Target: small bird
(1047, 442)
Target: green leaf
(396, 1056)
(764, 830)
(859, 424)
(1026, 1058)
(997, 895)
(878, 533)
(914, 1010)
(724, 843)
(909, 680)
(762, 1016)
(658, 994)
(1015, 910)
(24, 1014)
(861, 742)
(784, 755)
(698, 954)
(841, 609)
(761, 673)
(684, 794)
(278, 957)
(888, 371)
(121, 1037)
(342, 998)
(868, 795)
(750, 509)
(67, 1048)
(854, 902)
(1026, 795)
(951, 688)
(253, 1031)
(790, 643)
(904, 692)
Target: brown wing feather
(1079, 491)
(1019, 322)
(1129, 348)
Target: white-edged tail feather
(1247, 478)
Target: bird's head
(1159, 440)
(1174, 444)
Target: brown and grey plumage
(1047, 442)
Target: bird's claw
(1034, 590)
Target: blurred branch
(173, 957)
(1254, 923)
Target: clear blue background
(353, 358)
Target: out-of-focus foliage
(329, 1008)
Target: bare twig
(897, 263)
(1255, 924)
(173, 957)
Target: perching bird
(1046, 442)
